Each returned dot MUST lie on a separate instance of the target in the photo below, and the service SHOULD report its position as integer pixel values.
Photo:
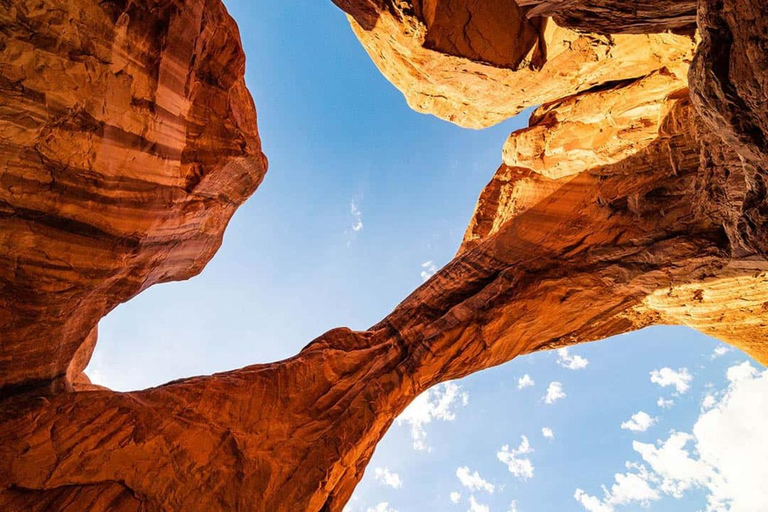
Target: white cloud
(525, 382)
(630, 487)
(554, 392)
(438, 403)
(455, 497)
(708, 402)
(591, 503)
(428, 269)
(357, 217)
(381, 507)
(672, 463)
(726, 455)
(521, 467)
(566, 360)
(664, 403)
(639, 422)
(384, 476)
(474, 506)
(665, 377)
(741, 372)
(513, 506)
(473, 481)
(547, 432)
(720, 350)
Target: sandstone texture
(128, 141)
(478, 63)
(636, 196)
(617, 16)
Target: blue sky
(362, 196)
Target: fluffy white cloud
(720, 350)
(547, 432)
(524, 382)
(473, 481)
(357, 217)
(521, 467)
(566, 360)
(630, 487)
(438, 403)
(670, 460)
(474, 506)
(428, 269)
(591, 503)
(726, 455)
(741, 372)
(639, 422)
(665, 377)
(381, 507)
(455, 497)
(386, 477)
(664, 403)
(708, 402)
(554, 392)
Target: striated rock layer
(617, 16)
(629, 201)
(128, 141)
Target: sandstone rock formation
(128, 141)
(617, 16)
(636, 196)
(478, 63)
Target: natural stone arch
(664, 228)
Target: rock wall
(636, 196)
(128, 141)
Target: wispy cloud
(473, 481)
(455, 497)
(521, 467)
(357, 216)
(680, 379)
(566, 360)
(428, 269)
(554, 392)
(525, 382)
(381, 507)
(665, 403)
(386, 477)
(720, 351)
(639, 422)
(474, 506)
(438, 403)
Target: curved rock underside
(636, 196)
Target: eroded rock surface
(628, 201)
(128, 141)
(617, 16)
(454, 59)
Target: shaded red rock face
(635, 197)
(129, 139)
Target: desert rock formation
(636, 196)
(128, 140)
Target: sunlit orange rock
(478, 63)
(128, 141)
